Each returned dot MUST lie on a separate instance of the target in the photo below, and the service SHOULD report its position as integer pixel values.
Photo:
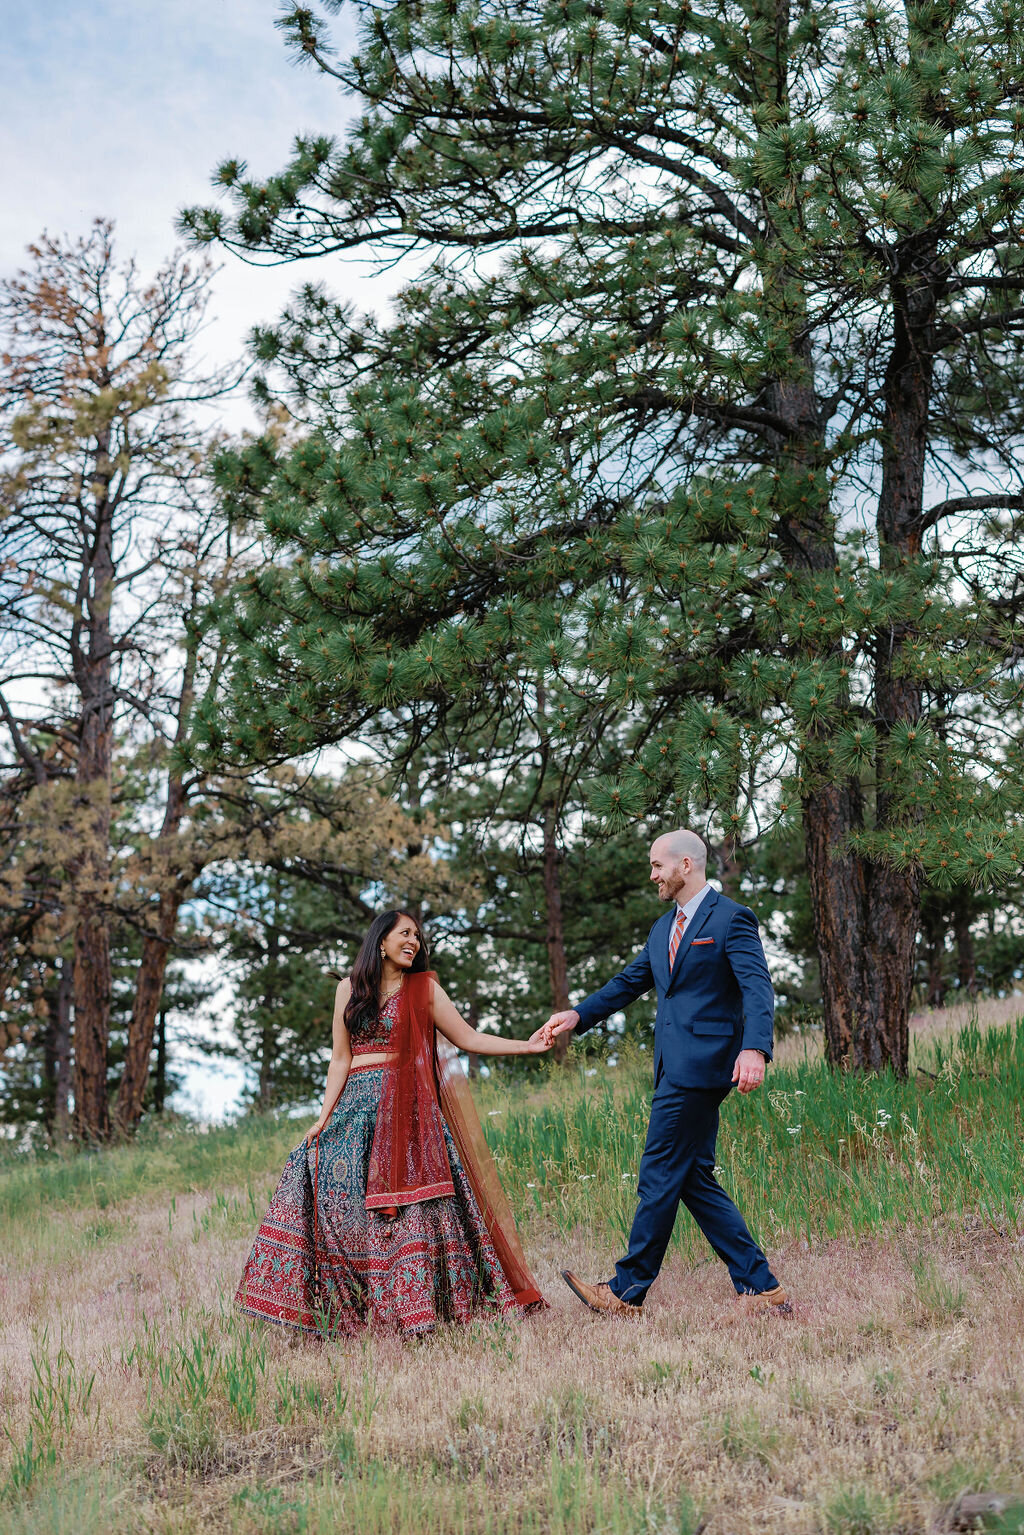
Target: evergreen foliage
(707, 413)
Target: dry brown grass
(926, 1025)
(898, 1384)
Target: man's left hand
(748, 1071)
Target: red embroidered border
(410, 1196)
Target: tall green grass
(813, 1153)
(373, 1497)
(173, 1160)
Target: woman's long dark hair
(362, 1005)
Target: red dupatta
(408, 1160)
(468, 1134)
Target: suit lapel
(690, 932)
(659, 949)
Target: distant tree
(972, 943)
(287, 913)
(100, 497)
(36, 991)
(284, 986)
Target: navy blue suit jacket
(717, 1001)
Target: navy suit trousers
(678, 1164)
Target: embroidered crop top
(375, 1034)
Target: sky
(122, 109)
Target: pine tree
(709, 407)
(100, 492)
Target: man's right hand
(558, 1023)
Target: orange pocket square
(695, 941)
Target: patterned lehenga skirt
(325, 1264)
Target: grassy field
(133, 1399)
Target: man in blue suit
(713, 1029)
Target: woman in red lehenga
(391, 1213)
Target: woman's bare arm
(448, 1022)
(341, 1057)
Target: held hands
(748, 1072)
(558, 1023)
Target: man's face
(668, 873)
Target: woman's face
(402, 944)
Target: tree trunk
(866, 913)
(268, 1033)
(865, 927)
(966, 961)
(558, 973)
(90, 867)
(57, 1052)
(149, 985)
(267, 1036)
(160, 1076)
(933, 927)
(864, 930)
(92, 1025)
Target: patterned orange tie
(675, 935)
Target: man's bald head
(684, 844)
(679, 860)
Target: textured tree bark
(90, 868)
(92, 1025)
(160, 1075)
(57, 1052)
(149, 985)
(858, 961)
(865, 925)
(898, 702)
(729, 870)
(866, 913)
(558, 973)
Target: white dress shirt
(690, 908)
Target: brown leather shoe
(774, 1303)
(600, 1297)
